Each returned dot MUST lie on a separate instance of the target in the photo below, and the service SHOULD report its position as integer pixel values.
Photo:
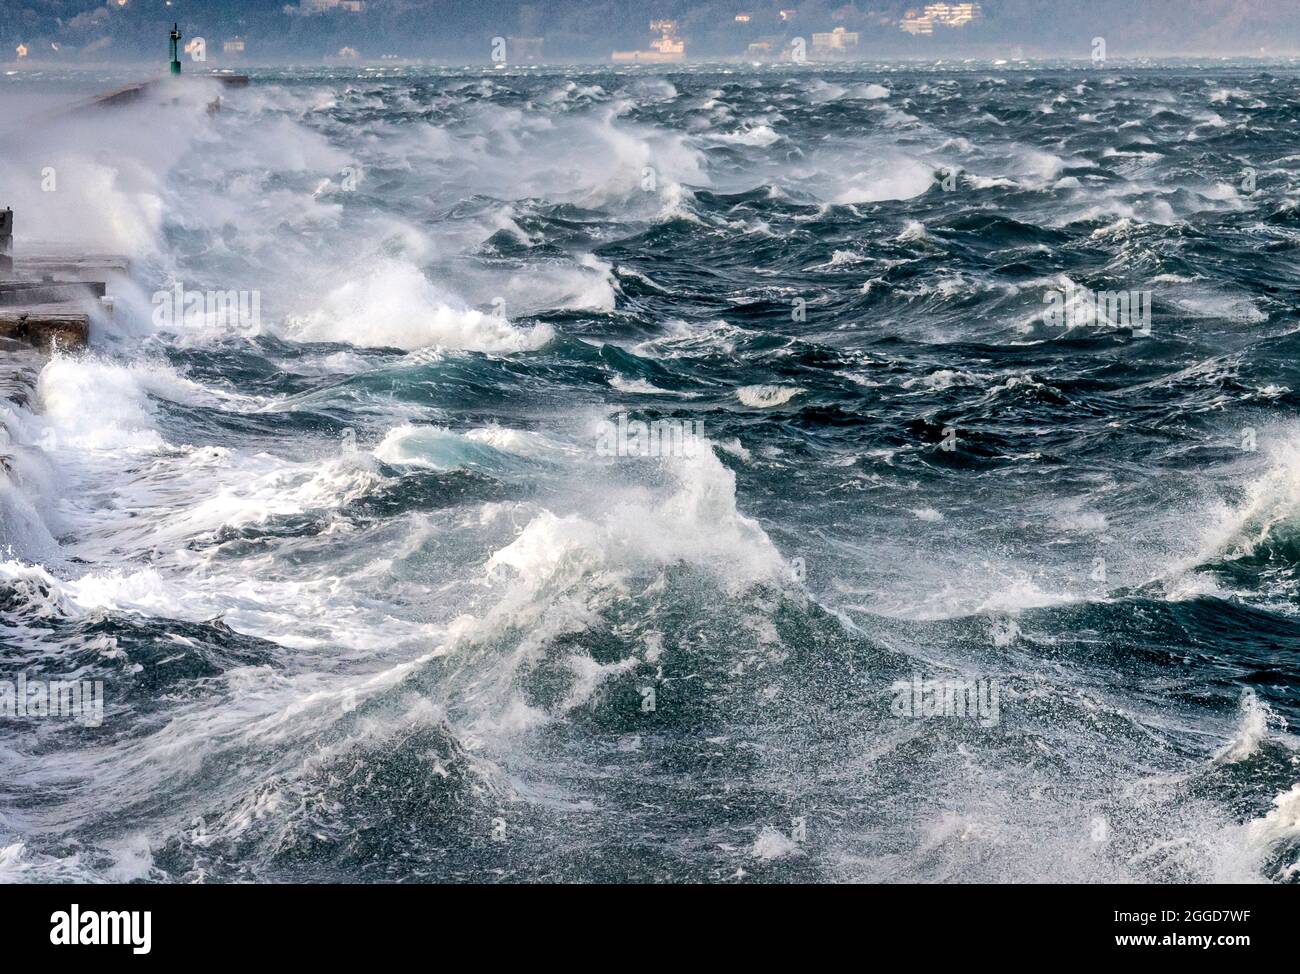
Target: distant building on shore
(940, 14)
(233, 48)
(668, 47)
(321, 6)
(837, 43)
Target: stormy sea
(873, 473)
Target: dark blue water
(372, 597)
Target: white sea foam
(1252, 729)
(398, 306)
(639, 387)
(489, 448)
(1270, 502)
(767, 396)
(697, 523)
(896, 178)
(772, 843)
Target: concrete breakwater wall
(51, 300)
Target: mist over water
(381, 586)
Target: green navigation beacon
(176, 39)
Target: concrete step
(22, 293)
(47, 326)
(49, 262)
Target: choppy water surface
(370, 601)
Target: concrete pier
(49, 327)
(50, 301)
(17, 294)
(129, 94)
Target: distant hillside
(80, 30)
